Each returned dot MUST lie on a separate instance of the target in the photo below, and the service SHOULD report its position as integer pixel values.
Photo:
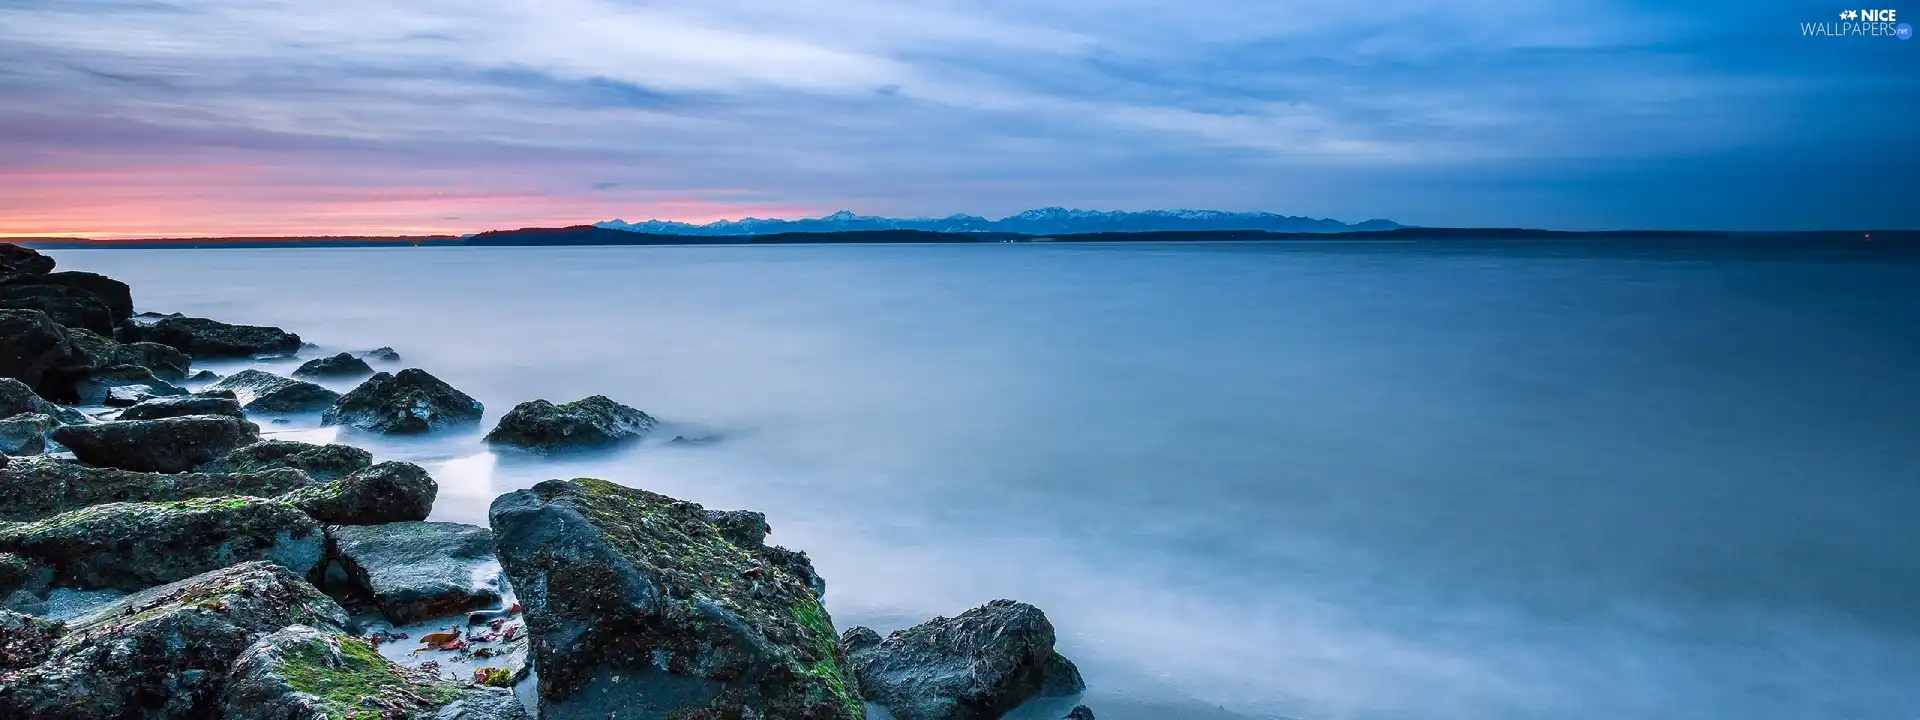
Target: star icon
(1847, 15)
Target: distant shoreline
(588, 235)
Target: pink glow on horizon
(241, 200)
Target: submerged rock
(130, 546)
(1080, 712)
(304, 673)
(176, 444)
(43, 487)
(594, 422)
(182, 406)
(385, 493)
(35, 345)
(164, 653)
(977, 666)
(67, 306)
(419, 570)
(25, 640)
(16, 260)
(121, 386)
(203, 338)
(337, 366)
(637, 600)
(382, 354)
(410, 401)
(25, 435)
(321, 462)
(266, 392)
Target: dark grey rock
(977, 666)
(67, 306)
(217, 392)
(25, 640)
(321, 462)
(182, 406)
(594, 422)
(115, 295)
(203, 338)
(1080, 712)
(337, 366)
(25, 435)
(382, 354)
(165, 653)
(35, 345)
(204, 376)
(385, 493)
(18, 399)
(408, 402)
(166, 445)
(17, 260)
(121, 386)
(304, 673)
(22, 575)
(637, 600)
(269, 393)
(165, 362)
(414, 571)
(44, 487)
(130, 546)
(749, 529)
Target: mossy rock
(595, 422)
(639, 604)
(304, 673)
(44, 487)
(164, 653)
(388, 492)
(321, 462)
(130, 546)
(168, 445)
(405, 403)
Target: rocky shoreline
(160, 559)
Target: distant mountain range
(1044, 221)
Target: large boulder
(34, 345)
(67, 306)
(321, 462)
(168, 445)
(25, 434)
(130, 546)
(44, 487)
(342, 365)
(18, 399)
(182, 406)
(594, 422)
(164, 653)
(120, 386)
(977, 666)
(96, 352)
(265, 392)
(203, 338)
(635, 599)
(25, 640)
(304, 673)
(407, 402)
(419, 570)
(16, 260)
(115, 295)
(385, 493)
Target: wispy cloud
(933, 106)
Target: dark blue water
(1302, 480)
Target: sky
(129, 118)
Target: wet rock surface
(637, 603)
(977, 666)
(35, 346)
(25, 435)
(130, 546)
(594, 422)
(43, 487)
(342, 365)
(418, 570)
(304, 673)
(120, 386)
(408, 402)
(203, 338)
(265, 392)
(385, 493)
(25, 640)
(182, 406)
(164, 652)
(18, 399)
(320, 462)
(176, 444)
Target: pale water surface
(1302, 481)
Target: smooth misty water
(1308, 480)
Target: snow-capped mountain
(1043, 221)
